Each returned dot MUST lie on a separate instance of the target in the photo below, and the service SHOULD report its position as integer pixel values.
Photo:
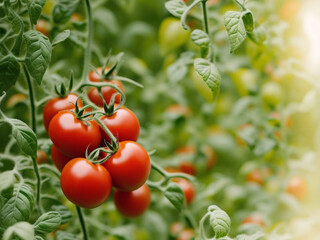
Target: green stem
(113, 139)
(87, 54)
(243, 7)
(205, 16)
(32, 104)
(38, 197)
(82, 223)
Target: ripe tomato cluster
(117, 160)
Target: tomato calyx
(95, 155)
(61, 89)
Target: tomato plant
(189, 114)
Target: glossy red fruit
(132, 204)
(123, 124)
(58, 159)
(85, 184)
(187, 188)
(107, 92)
(188, 168)
(56, 105)
(129, 167)
(72, 136)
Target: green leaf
(200, 38)
(61, 37)
(219, 221)
(248, 21)
(63, 10)
(47, 222)
(249, 135)
(25, 137)
(62, 235)
(18, 27)
(258, 35)
(235, 28)
(35, 8)
(264, 145)
(209, 74)
(18, 207)
(179, 69)
(38, 238)
(176, 7)
(255, 236)
(64, 213)
(19, 231)
(7, 180)
(175, 195)
(9, 72)
(38, 54)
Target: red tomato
(186, 234)
(43, 26)
(129, 167)
(123, 124)
(72, 136)
(85, 184)
(41, 157)
(187, 188)
(132, 204)
(254, 219)
(297, 187)
(188, 168)
(56, 105)
(58, 159)
(107, 92)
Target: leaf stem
(87, 55)
(38, 197)
(205, 16)
(82, 223)
(113, 139)
(32, 104)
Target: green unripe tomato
(271, 93)
(171, 35)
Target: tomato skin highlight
(106, 92)
(71, 136)
(132, 204)
(85, 184)
(56, 105)
(129, 167)
(123, 124)
(58, 159)
(187, 188)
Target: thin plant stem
(82, 223)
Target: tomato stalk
(34, 128)
(205, 17)
(87, 55)
(114, 142)
(82, 223)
